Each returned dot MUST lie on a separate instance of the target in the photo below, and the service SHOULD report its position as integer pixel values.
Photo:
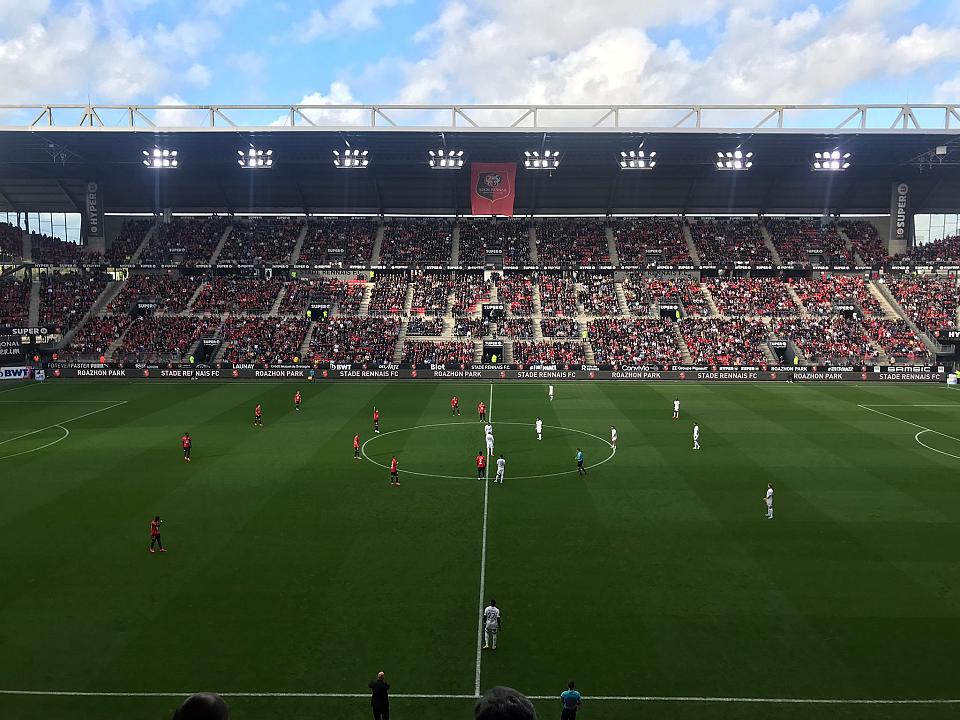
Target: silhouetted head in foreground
(203, 706)
(503, 703)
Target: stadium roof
(44, 166)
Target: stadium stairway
(537, 306)
(298, 246)
(507, 351)
(612, 247)
(884, 291)
(691, 246)
(534, 257)
(304, 349)
(219, 248)
(804, 313)
(849, 245)
(402, 337)
(364, 309)
(196, 294)
(377, 246)
(888, 311)
(768, 241)
(108, 294)
(710, 301)
(589, 356)
(537, 330)
(275, 308)
(33, 317)
(455, 247)
(147, 237)
(622, 299)
(682, 344)
(116, 344)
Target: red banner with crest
(492, 188)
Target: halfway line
(483, 556)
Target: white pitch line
(483, 558)
(18, 387)
(928, 447)
(64, 422)
(453, 696)
(66, 434)
(908, 422)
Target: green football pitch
(296, 572)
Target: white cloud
(198, 75)
(188, 38)
(174, 117)
(222, 8)
(346, 14)
(948, 91)
(338, 94)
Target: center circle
(481, 445)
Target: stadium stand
(128, 239)
(263, 340)
(54, 251)
(865, 240)
(729, 239)
(417, 242)
(357, 340)
(470, 327)
(469, 291)
(558, 296)
(559, 327)
(572, 242)
(185, 240)
(944, 250)
(516, 328)
(897, 340)
(642, 291)
(66, 298)
(436, 353)
(171, 291)
(265, 240)
(803, 240)
(237, 294)
(344, 296)
(389, 294)
(338, 240)
(598, 295)
(480, 238)
(647, 341)
(11, 244)
(721, 341)
(930, 302)
(766, 297)
(430, 293)
(819, 296)
(420, 326)
(14, 301)
(164, 336)
(547, 353)
(828, 340)
(93, 339)
(650, 240)
(516, 293)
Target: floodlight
(547, 160)
(255, 158)
(831, 160)
(638, 159)
(445, 159)
(351, 159)
(160, 159)
(735, 159)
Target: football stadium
(463, 406)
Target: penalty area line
(64, 422)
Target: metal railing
(664, 118)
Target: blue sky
(614, 51)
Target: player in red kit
(454, 405)
(296, 401)
(376, 419)
(356, 447)
(482, 411)
(155, 533)
(258, 416)
(481, 464)
(394, 472)
(187, 443)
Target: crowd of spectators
(646, 341)
(264, 240)
(338, 240)
(469, 291)
(768, 297)
(94, 337)
(389, 294)
(516, 328)
(344, 296)
(527, 353)
(438, 353)
(14, 301)
(237, 294)
(359, 340)
(54, 251)
(930, 302)
(516, 294)
(828, 340)
(801, 239)
(511, 238)
(419, 325)
(128, 239)
(820, 295)
(572, 242)
(470, 327)
(719, 341)
(729, 240)
(419, 241)
(164, 336)
(11, 243)
(186, 240)
(263, 340)
(643, 291)
(171, 291)
(865, 240)
(897, 340)
(943, 250)
(558, 296)
(560, 327)
(650, 240)
(430, 293)
(598, 295)
(66, 298)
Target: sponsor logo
(492, 186)
(93, 210)
(900, 216)
(14, 373)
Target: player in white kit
(488, 429)
(613, 436)
(539, 425)
(501, 466)
(696, 436)
(768, 499)
(550, 392)
(491, 625)
(489, 443)
(676, 409)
